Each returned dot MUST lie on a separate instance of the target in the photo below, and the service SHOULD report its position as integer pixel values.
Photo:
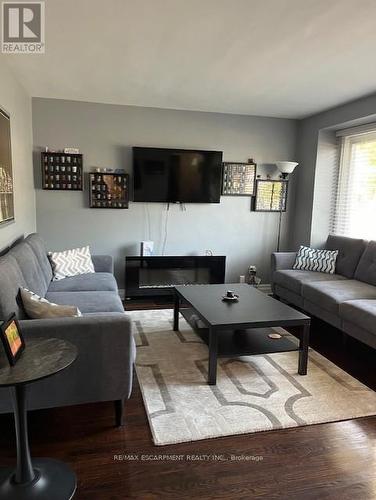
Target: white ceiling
(286, 58)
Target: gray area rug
(253, 393)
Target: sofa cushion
(359, 333)
(366, 270)
(104, 282)
(361, 313)
(30, 268)
(330, 294)
(11, 279)
(293, 279)
(88, 301)
(37, 245)
(349, 252)
(325, 315)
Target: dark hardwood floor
(326, 461)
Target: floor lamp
(286, 168)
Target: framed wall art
(6, 175)
(238, 179)
(271, 196)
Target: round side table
(44, 478)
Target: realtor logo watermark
(23, 28)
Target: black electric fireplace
(151, 276)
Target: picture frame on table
(12, 339)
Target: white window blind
(355, 207)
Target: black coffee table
(42, 478)
(241, 328)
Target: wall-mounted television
(176, 175)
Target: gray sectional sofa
(346, 299)
(103, 335)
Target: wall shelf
(62, 171)
(109, 190)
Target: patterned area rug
(253, 393)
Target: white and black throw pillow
(311, 259)
(37, 307)
(71, 263)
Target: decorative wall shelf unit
(62, 171)
(109, 190)
(238, 179)
(271, 196)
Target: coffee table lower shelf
(252, 341)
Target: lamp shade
(286, 167)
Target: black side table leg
(213, 354)
(176, 311)
(40, 479)
(303, 350)
(24, 470)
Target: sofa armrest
(279, 261)
(103, 263)
(106, 353)
(282, 260)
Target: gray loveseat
(346, 299)
(103, 335)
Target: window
(355, 210)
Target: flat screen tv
(176, 175)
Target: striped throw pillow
(71, 263)
(311, 259)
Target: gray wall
(17, 103)
(317, 153)
(105, 134)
